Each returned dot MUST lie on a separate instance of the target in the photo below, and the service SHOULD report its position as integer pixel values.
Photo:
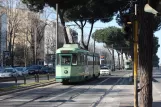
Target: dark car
(34, 69)
(47, 69)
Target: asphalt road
(157, 88)
(85, 94)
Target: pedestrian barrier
(25, 79)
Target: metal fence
(29, 79)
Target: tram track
(76, 95)
(66, 91)
(101, 97)
(76, 89)
(17, 94)
(23, 93)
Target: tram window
(65, 60)
(74, 60)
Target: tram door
(86, 65)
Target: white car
(8, 72)
(105, 70)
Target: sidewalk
(123, 96)
(126, 96)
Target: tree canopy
(155, 50)
(80, 11)
(112, 36)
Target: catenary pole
(56, 26)
(135, 58)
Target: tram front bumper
(61, 78)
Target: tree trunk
(122, 60)
(89, 36)
(12, 50)
(82, 38)
(61, 13)
(33, 54)
(113, 59)
(65, 33)
(118, 59)
(145, 55)
(126, 56)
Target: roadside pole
(135, 58)
(113, 59)
(56, 26)
(94, 44)
(94, 55)
(35, 47)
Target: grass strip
(25, 85)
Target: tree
(83, 11)
(146, 53)
(82, 14)
(34, 30)
(38, 5)
(155, 50)
(91, 12)
(14, 20)
(112, 36)
(145, 46)
(19, 55)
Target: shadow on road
(156, 104)
(110, 80)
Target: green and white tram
(74, 64)
(128, 64)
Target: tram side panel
(77, 69)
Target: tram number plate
(65, 68)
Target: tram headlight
(65, 71)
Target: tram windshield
(65, 60)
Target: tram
(128, 65)
(74, 64)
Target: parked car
(46, 69)
(25, 71)
(22, 70)
(34, 69)
(1, 69)
(9, 72)
(105, 70)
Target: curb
(27, 88)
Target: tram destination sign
(66, 51)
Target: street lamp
(149, 9)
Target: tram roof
(72, 48)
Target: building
(3, 36)
(37, 36)
(16, 30)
